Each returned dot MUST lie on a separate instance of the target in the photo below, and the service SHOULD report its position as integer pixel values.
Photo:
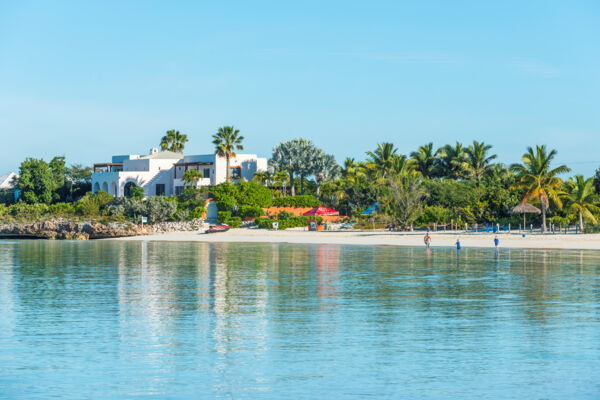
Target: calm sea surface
(151, 320)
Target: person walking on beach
(496, 242)
(427, 240)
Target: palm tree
(538, 180)
(353, 170)
(478, 162)
(227, 140)
(382, 159)
(263, 178)
(452, 160)
(582, 199)
(326, 169)
(173, 141)
(280, 179)
(297, 157)
(402, 164)
(191, 177)
(425, 160)
(500, 175)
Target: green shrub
(253, 194)
(7, 197)
(233, 196)
(159, 208)
(223, 216)
(197, 212)
(136, 193)
(435, 214)
(297, 201)
(292, 222)
(127, 207)
(62, 209)
(190, 203)
(22, 210)
(251, 211)
(182, 215)
(284, 215)
(234, 222)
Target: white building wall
(148, 172)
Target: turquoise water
(151, 320)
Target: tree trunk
(318, 188)
(301, 184)
(581, 221)
(292, 187)
(543, 214)
(227, 172)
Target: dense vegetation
(454, 185)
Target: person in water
(458, 244)
(496, 242)
(427, 240)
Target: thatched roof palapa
(525, 208)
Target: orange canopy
(320, 211)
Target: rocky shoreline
(70, 230)
(62, 229)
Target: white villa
(161, 173)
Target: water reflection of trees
(235, 296)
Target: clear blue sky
(91, 80)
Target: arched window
(105, 187)
(113, 189)
(128, 187)
(96, 187)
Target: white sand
(441, 239)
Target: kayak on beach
(218, 228)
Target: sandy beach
(439, 239)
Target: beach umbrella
(371, 209)
(525, 208)
(320, 211)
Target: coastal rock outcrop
(179, 226)
(64, 229)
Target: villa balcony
(108, 167)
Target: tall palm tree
(382, 159)
(227, 140)
(173, 141)
(425, 160)
(326, 169)
(452, 161)
(191, 177)
(538, 180)
(582, 199)
(478, 162)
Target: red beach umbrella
(320, 211)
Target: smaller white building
(161, 173)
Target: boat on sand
(218, 228)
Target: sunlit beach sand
(441, 239)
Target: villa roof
(163, 155)
(525, 208)
(6, 180)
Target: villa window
(178, 190)
(160, 189)
(236, 172)
(206, 173)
